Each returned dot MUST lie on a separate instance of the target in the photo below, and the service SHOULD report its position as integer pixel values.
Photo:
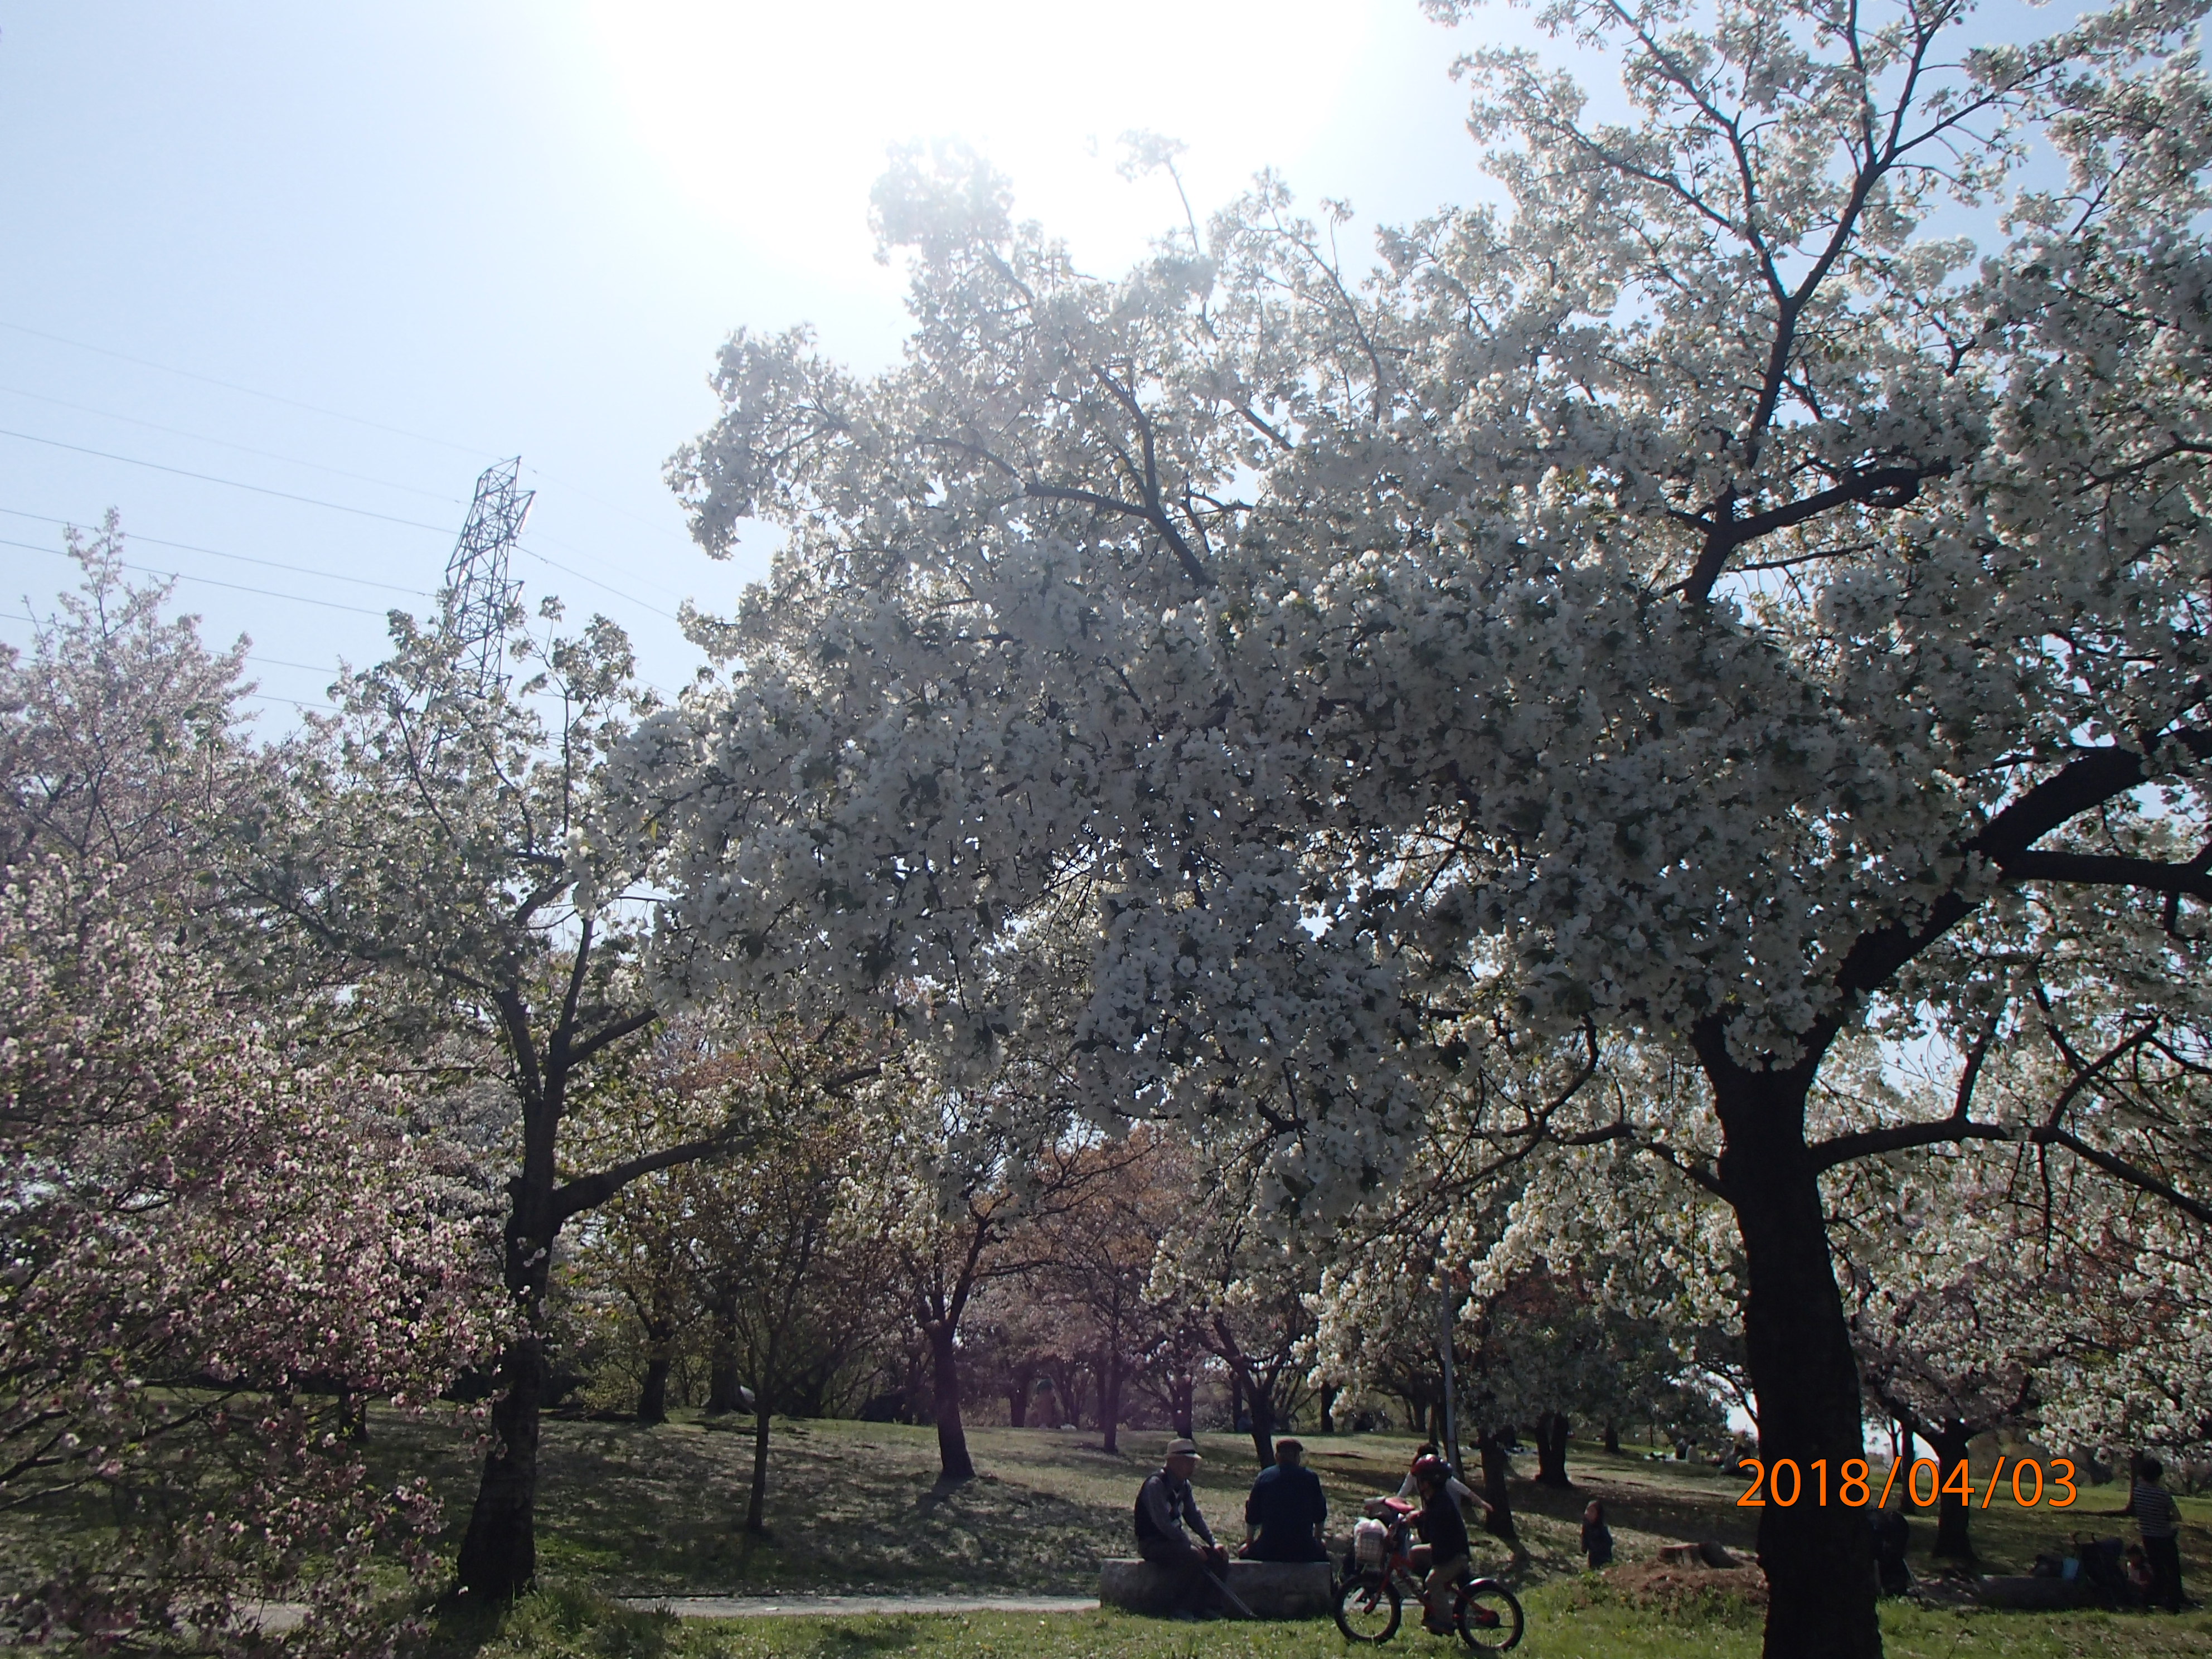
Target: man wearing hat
(1165, 1508)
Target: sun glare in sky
(776, 117)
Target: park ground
(630, 1511)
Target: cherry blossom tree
(126, 749)
(966, 1182)
(1099, 1256)
(211, 1238)
(428, 874)
(767, 1234)
(1696, 597)
(1243, 1289)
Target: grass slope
(1564, 1623)
(628, 1511)
(631, 1511)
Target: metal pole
(1451, 1389)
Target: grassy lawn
(1565, 1622)
(630, 1511)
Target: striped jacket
(2153, 1510)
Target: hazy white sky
(479, 228)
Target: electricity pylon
(478, 593)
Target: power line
(225, 443)
(234, 483)
(276, 662)
(340, 507)
(243, 558)
(264, 696)
(584, 552)
(578, 490)
(317, 409)
(207, 581)
(596, 583)
(251, 391)
(250, 656)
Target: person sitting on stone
(1284, 1515)
(1167, 1514)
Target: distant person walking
(1287, 1509)
(2160, 1522)
(1167, 1513)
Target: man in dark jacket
(1165, 1508)
(1287, 1509)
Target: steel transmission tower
(478, 592)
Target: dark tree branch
(585, 1192)
(2179, 880)
(610, 1034)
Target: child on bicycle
(1410, 1488)
(1444, 1551)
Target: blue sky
(410, 238)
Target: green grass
(1563, 1623)
(628, 1511)
(632, 1511)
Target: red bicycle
(1379, 1576)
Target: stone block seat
(1273, 1590)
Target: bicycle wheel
(1488, 1617)
(1367, 1609)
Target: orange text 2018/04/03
(1855, 1490)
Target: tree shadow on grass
(941, 1489)
(555, 1622)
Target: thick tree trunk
(1263, 1402)
(953, 1462)
(723, 1376)
(1952, 1512)
(1182, 1395)
(499, 1552)
(1328, 1409)
(1818, 1558)
(1497, 1473)
(1017, 1404)
(652, 1395)
(1552, 1450)
(1613, 1439)
(756, 1502)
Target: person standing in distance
(2159, 1521)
